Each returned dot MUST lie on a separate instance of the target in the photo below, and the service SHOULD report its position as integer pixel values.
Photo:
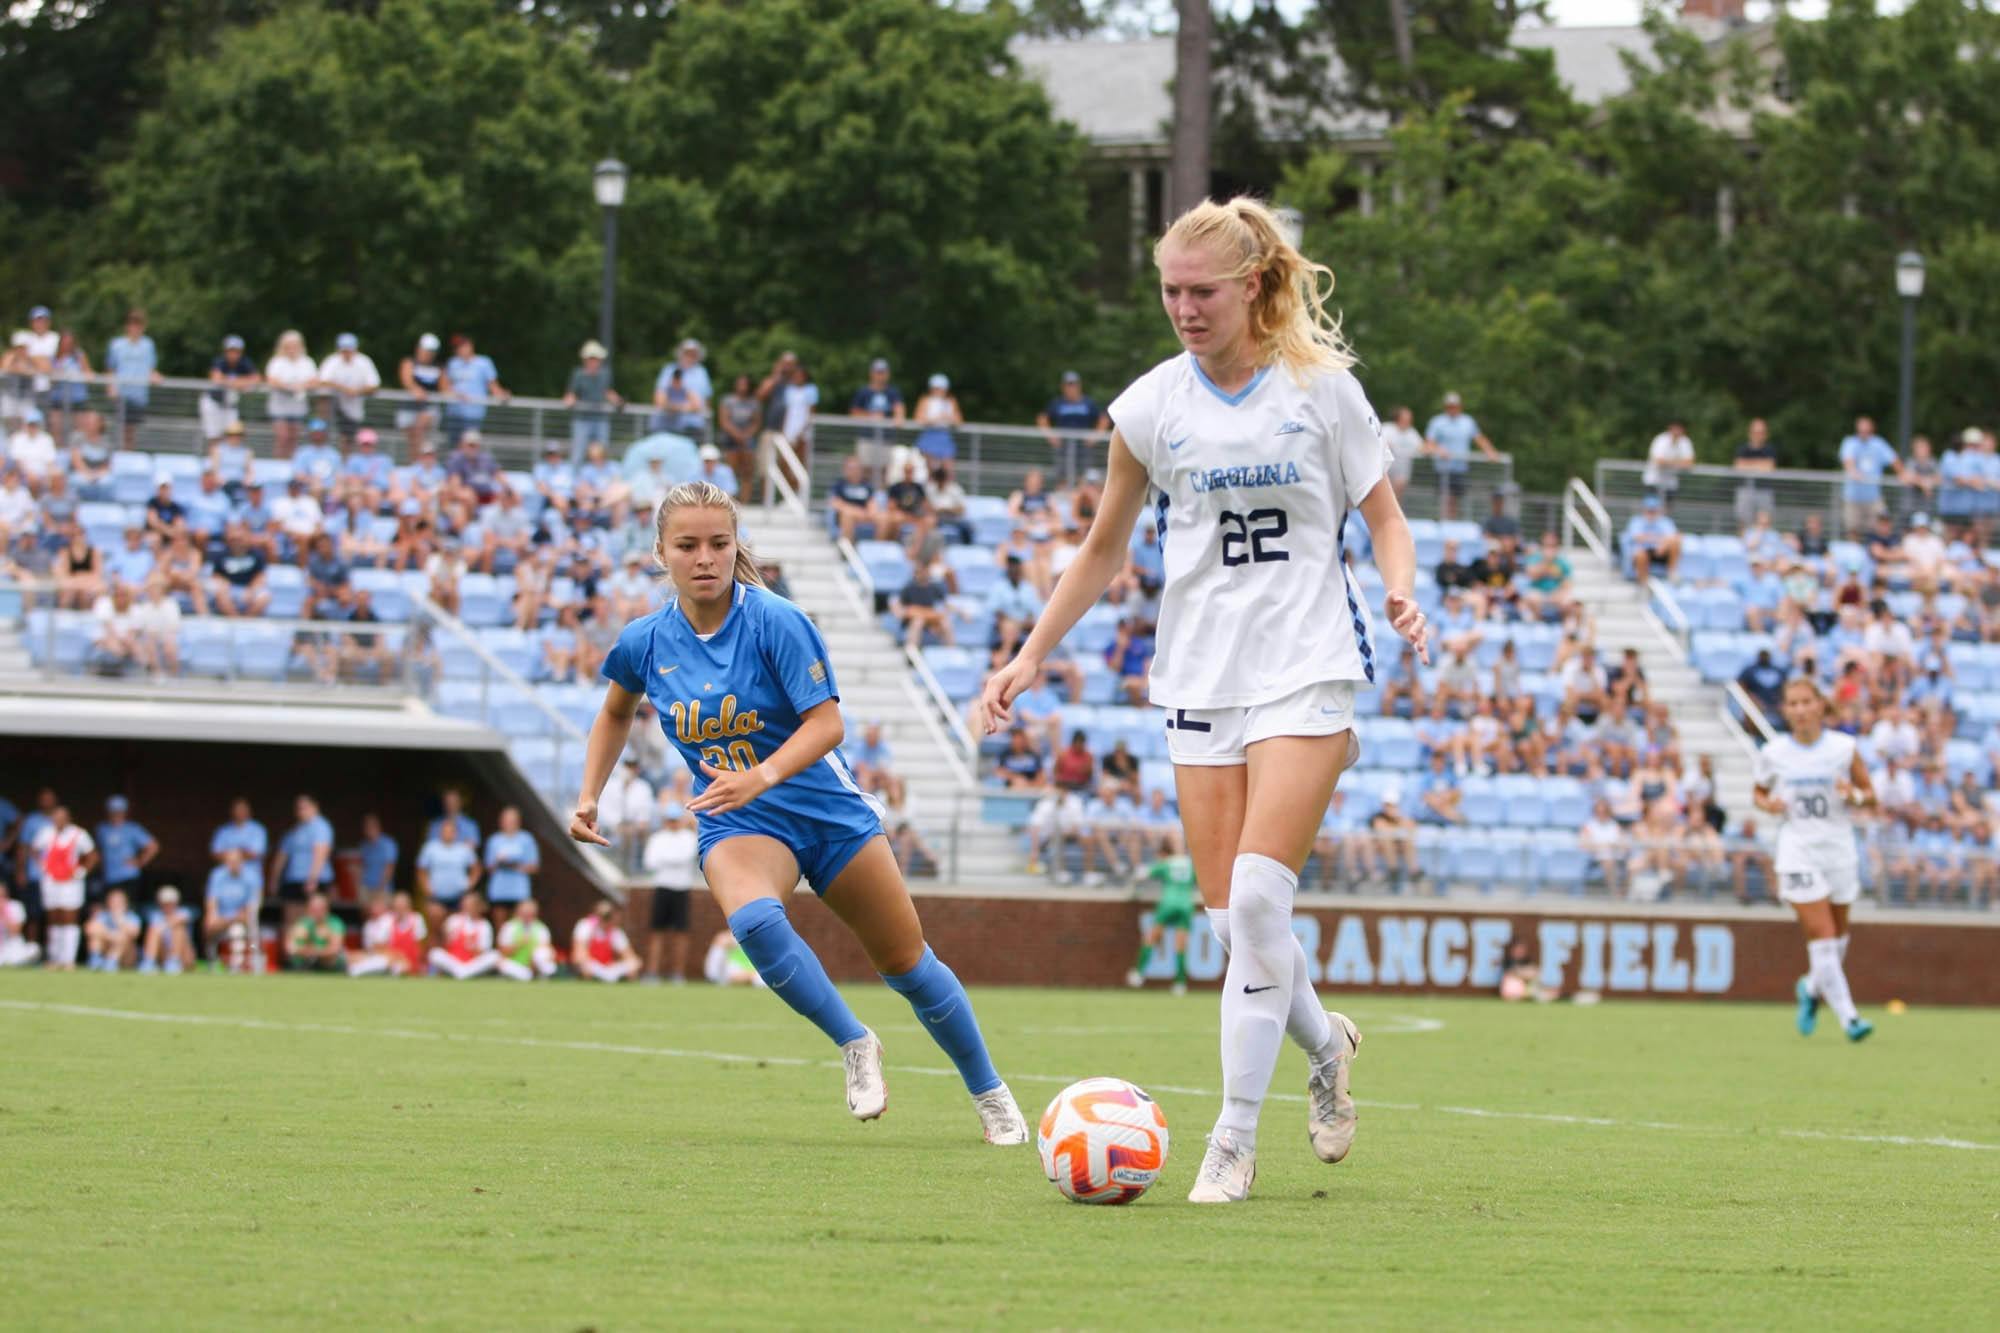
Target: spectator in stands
(936, 414)
(1405, 444)
(132, 564)
(1755, 456)
(466, 950)
(948, 502)
(1013, 603)
(1451, 572)
(527, 950)
(736, 418)
(349, 376)
(1121, 767)
(877, 400)
(919, 607)
(716, 472)
(1655, 542)
(853, 502)
(230, 375)
(512, 860)
(445, 568)
(303, 865)
(682, 392)
(1548, 581)
(1392, 844)
(67, 401)
(590, 398)
(1625, 684)
(33, 450)
(317, 940)
(1864, 458)
(132, 364)
(1603, 841)
(111, 936)
(292, 376)
(1058, 816)
(241, 833)
(873, 764)
(670, 863)
(1130, 657)
(1448, 440)
(447, 869)
(471, 382)
(378, 852)
(625, 808)
(1439, 798)
(1669, 455)
(16, 949)
(79, 571)
(17, 504)
(1501, 525)
(1020, 764)
(1069, 420)
(1033, 507)
(909, 510)
(169, 945)
(117, 644)
(231, 897)
(451, 810)
(1111, 824)
(800, 399)
(237, 587)
(473, 475)
(508, 533)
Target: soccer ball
(1102, 1141)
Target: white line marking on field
(1387, 1026)
(927, 1071)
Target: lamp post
(608, 183)
(1909, 286)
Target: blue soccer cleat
(1808, 1007)
(1859, 1029)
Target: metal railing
(1586, 521)
(1711, 499)
(1668, 617)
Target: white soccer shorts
(1218, 737)
(1839, 887)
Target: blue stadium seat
(1391, 743)
(535, 756)
(888, 567)
(1568, 802)
(956, 669)
(262, 652)
(287, 584)
(1561, 862)
(1095, 632)
(518, 651)
(205, 648)
(457, 661)
(385, 592)
(1965, 756)
(1514, 856)
(273, 472)
(1523, 802)
(1482, 806)
(1156, 775)
(480, 601)
(973, 567)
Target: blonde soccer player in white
(1254, 446)
(1811, 779)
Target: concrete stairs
(1697, 708)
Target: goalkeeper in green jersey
(1172, 919)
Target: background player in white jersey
(1256, 444)
(1809, 779)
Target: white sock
(1841, 940)
(515, 971)
(62, 943)
(1306, 1022)
(1257, 988)
(1830, 980)
(367, 965)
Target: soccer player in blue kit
(740, 680)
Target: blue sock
(934, 992)
(790, 969)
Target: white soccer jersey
(1251, 489)
(1816, 834)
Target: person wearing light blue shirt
(511, 859)
(1448, 440)
(230, 897)
(1013, 598)
(132, 563)
(378, 857)
(1864, 457)
(475, 382)
(446, 869)
(694, 382)
(304, 863)
(244, 834)
(317, 460)
(715, 471)
(454, 812)
(123, 846)
(134, 366)
(367, 462)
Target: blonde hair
(278, 347)
(704, 495)
(1289, 321)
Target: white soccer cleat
(1227, 1170)
(867, 1090)
(1330, 1116)
(1133, 979)
(1000, 1117)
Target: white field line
(928, 1071)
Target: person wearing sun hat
(936, 413)
(590, 399)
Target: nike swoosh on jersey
(1174, 445)
(668, 671)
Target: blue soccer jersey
(732, 700)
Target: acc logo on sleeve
(817, 671)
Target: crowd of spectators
(1895, 619)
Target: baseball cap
(1652, 502)
(317, 423)
(347, 342)
(32, 414)
(411, 508)
(590, 349)
(428, 342)
(940, 382)
(878, 367)
(1071, 377)
(365, 436)
(691, 345)
(233, 428)
(1920, 520)
(1453, 400)
(170, 894)
(709, 451)
(472, 437)
(1972, 435)
(117, 805)
(233, 342)
(39, 312)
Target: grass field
(216, 1151)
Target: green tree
(873, 176)
(425, 168)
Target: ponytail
(1289, 320)
(705, 495)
